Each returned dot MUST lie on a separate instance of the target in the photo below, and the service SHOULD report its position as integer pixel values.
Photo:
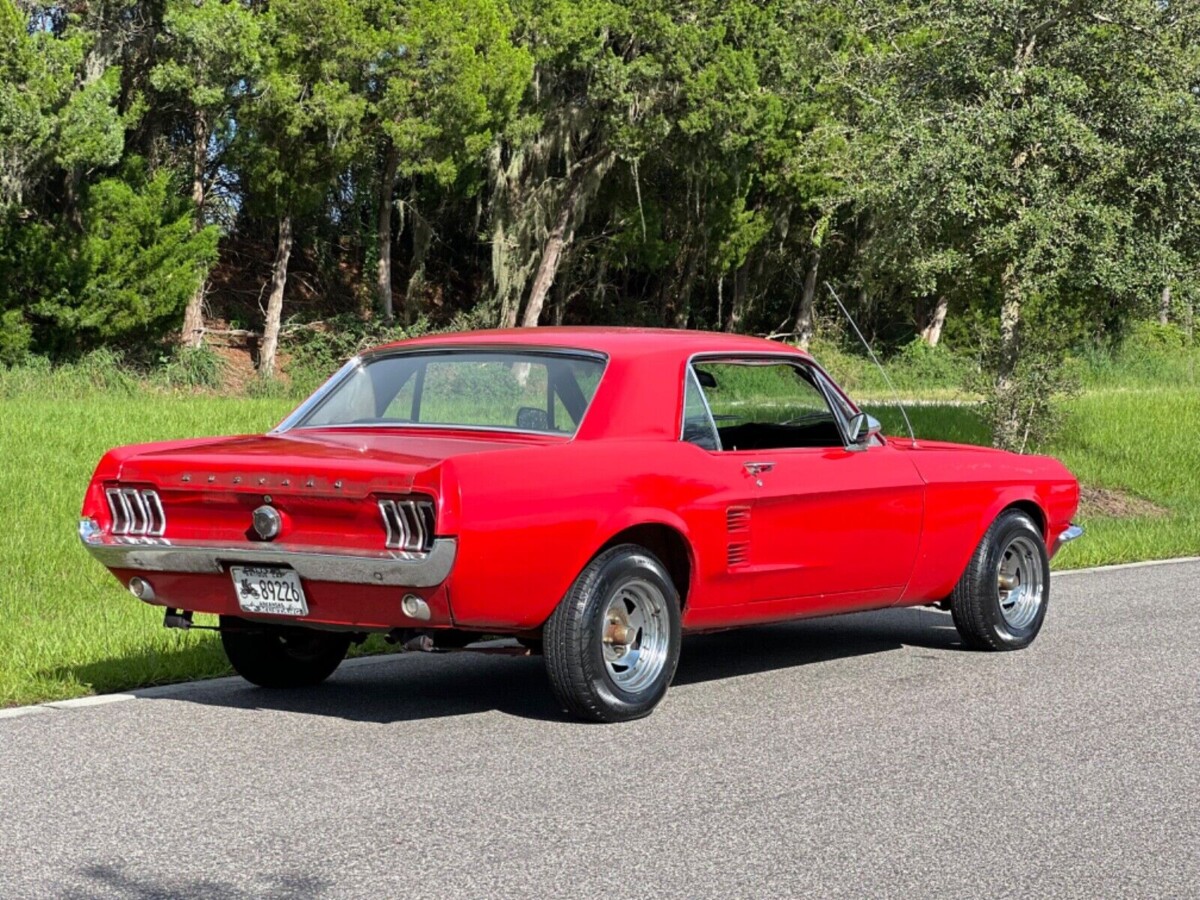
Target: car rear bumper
(388, 568)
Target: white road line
(93, 700)
(1178, 560)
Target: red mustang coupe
(595, 493)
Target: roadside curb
(185, 688)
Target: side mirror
(862, 428)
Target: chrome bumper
(1074, 531)
(1067, 535)
(394, 568)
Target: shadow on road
(417, 686)
(114, 880)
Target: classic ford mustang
(594, 493)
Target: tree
(209, 54)
(1004, 153)
(302, 126)
(445, 78)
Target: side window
(767, 404)
(698, 425)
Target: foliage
(1032, 167)
(316, 353)
(192, 367)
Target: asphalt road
(861, 756)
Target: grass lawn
(68, 629)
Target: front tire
(612, 644)
(1000, 602)
(279, 656)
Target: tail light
(409, 524)
(136, 511)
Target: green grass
(68, 629)
(66, 626)
(1141, 443)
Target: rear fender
(635, 517)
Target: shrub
(918, 365)
(192, 367)
(316, 352)
(16, 335)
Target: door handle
(757, 468)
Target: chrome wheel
(635, 632)
(1021, 582)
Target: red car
(595, 493)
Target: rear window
(547, 393)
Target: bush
(1155, 338)
(102, 371)
(1150, 355)
(192, 367)
(16, 335)
(317, 352)
(126, 278)
(919, 366)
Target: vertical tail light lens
(409, 524)
(136, 511)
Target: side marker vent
(737, 519)
(737, 525)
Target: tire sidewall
(640, 564)
(1008, 527)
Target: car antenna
(875, 359)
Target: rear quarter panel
(528, 522)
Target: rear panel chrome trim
(392, 568)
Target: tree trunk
(422, 237)
(808, 299)
(1164, 306)
(683, 302)
(1006, 415)
(192, 334)
(383, 232)
(740, 304)
(543, 280)
(932, 332)
(270, 342)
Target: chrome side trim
(1074, 531)
(314, 563)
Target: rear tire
(612, 644)
(281, 656)
(1001, 600)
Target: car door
(822, 524)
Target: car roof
(614, 342)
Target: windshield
(546, 393)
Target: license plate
(265, 590)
